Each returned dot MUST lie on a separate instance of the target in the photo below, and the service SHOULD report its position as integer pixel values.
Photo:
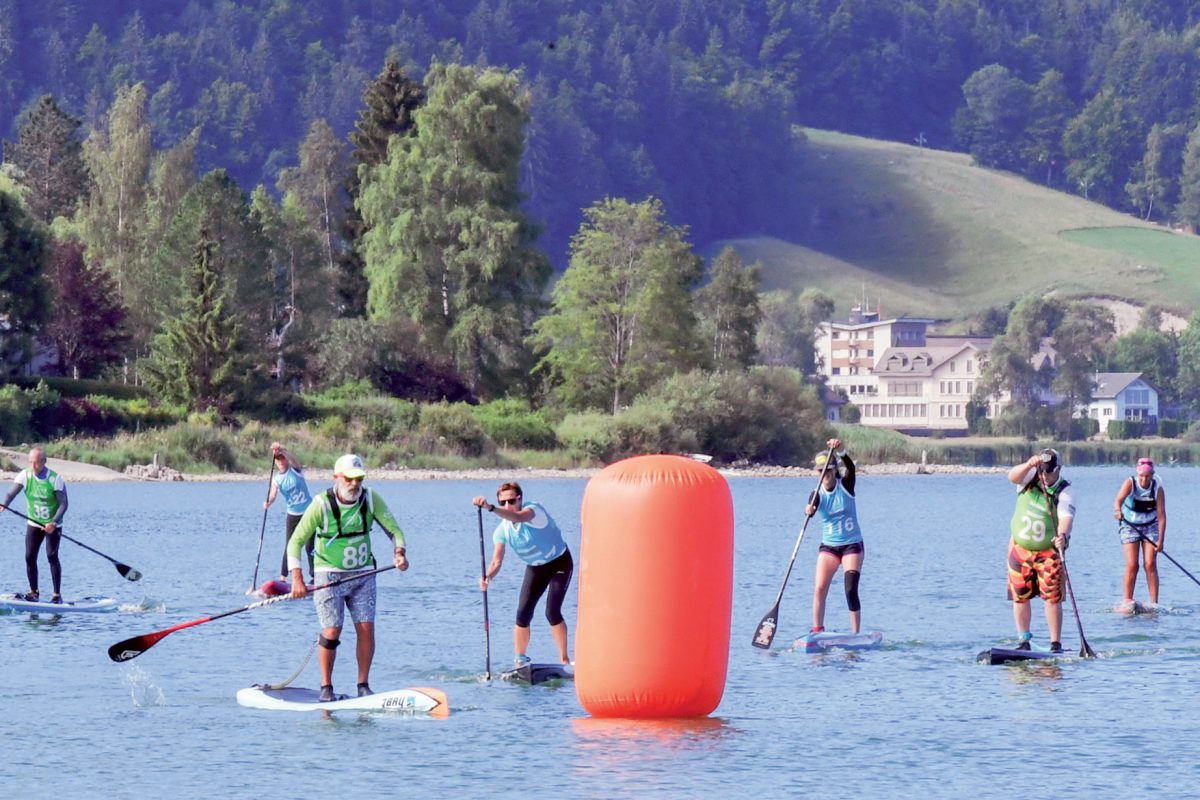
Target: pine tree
(390, 103)
(87, 326)
(195, 359)
(23, 293)
(48, 154)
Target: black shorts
(841, 550)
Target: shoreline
(78, 472)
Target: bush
(511, 423)
(851, 414)
(589, 433)
(1172, 428)
(203, 443)
(453, 429)
(1125, 429)
(15, 415)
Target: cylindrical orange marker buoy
(655, 589)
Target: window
(1108, 412)
(952, 366)
(970, 386)
(969, 365)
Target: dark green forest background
(691, 101)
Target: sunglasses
(512, 501)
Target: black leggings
(33, 543)
(554, 575)
(292, 521)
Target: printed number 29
(356, 556)
(1032, 530)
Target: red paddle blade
(132, 648)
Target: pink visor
(1145, 466)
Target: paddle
(765, 633)
(1173, 561)
(261, 533)
(1085, 649)
(487, 634)
(127, 572)
(134, 647)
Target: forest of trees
(221, 200)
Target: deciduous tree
(87, 326)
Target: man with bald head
(45, 505)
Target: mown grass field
(927, 233)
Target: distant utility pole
(921, 140)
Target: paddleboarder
(1035, 563)
(289, 481)
(536, 539)
(341, 520)
(1141, 509)
(46, 505)
(841, 536)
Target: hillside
(927, 233)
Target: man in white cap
(341, 520)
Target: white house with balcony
(1123, 396)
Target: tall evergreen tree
(728, 311)
(49, 156)
(87, 326)
(1188, 210)
(622, 315)
(23, 292)
(195, 359)
(390, 103)
(448, 245)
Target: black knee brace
(328, 644)
(851, 582)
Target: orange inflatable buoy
(655, 589)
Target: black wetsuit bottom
(292, 521)
(33, 543)
(553, 575)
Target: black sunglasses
(512, 501)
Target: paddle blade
(128, 572)
(765, 634)
(1086, 651)
(134, 647)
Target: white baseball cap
(350, 466)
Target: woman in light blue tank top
(289, 481)
(841, 537)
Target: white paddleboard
(422, 700)
(10, 601)
(831, 640)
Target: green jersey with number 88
(343, 543)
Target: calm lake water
(918, 716)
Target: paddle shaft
(125, 570)
(1142, 536)
(487, 634)
(764, 634)
(1085, 650)
(263, 531)
(135, 646)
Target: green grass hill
(927, 233)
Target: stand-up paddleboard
(272, 589)
(832, 640)
(1005, 655)
(539, 673)
(1130, 608)
(420, 700)
(84, 604)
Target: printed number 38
(1032, 530)
(356, 556)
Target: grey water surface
(917, 716)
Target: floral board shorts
(358, 596)
(1034, 573)
(1129, 532)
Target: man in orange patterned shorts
(1041, 530)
